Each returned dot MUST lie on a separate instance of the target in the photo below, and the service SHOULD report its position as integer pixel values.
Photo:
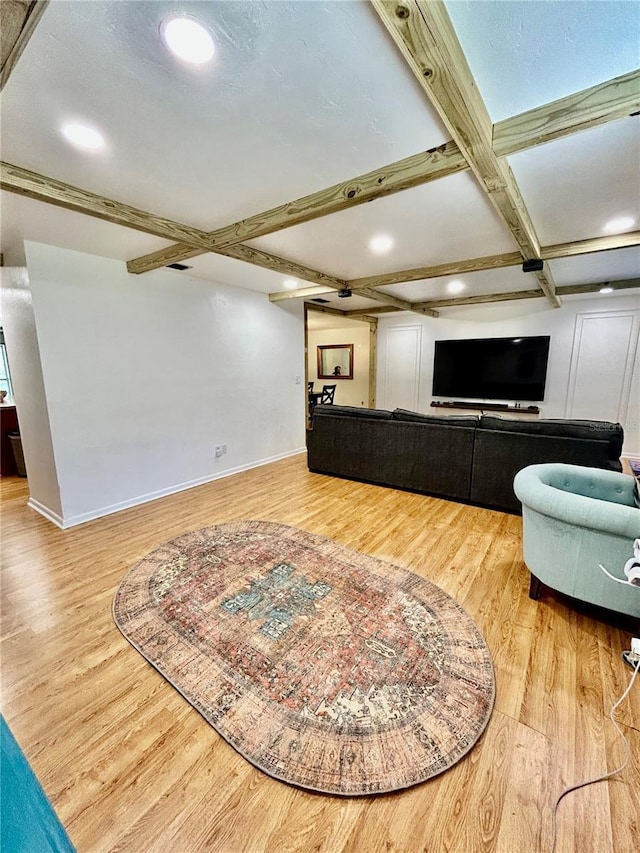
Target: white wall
(349, 392)
(144, 375)
(29, 393)
(505, 320)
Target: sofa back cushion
(351, 412)
(426, 457)
(604, 431)
(436, 420)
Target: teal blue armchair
(573, 519)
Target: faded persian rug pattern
(323, 667)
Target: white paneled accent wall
(594, 356)
(145, 375)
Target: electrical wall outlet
(224, 448)
(219, 450)
(635, 645)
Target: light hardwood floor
(130, 766)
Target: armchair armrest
(591, 498)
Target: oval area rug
(322, 666)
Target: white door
(601, 380)
(402, 368)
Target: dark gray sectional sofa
(467, 458)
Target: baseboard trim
(75, 520)
(47, 513)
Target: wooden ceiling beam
(23, 182)
(351, 315)
(591, 107)
(41, 188)
(563, 290)
(489, 262)
(587, 247)
(597, 105)
(426, 38)
(378, 309)
(15, 179)
(402, 304)
(300, 293)
(281, 265)
(401, 175)
(492, 262)
(18, 20)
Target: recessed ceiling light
(188, 40)
(620, 223)
(606, 290)
(456, 286)
(82, 136)
(381, 244)
(290, 283)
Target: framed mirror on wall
(335, 361)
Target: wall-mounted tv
(492, 368)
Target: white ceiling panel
(524, 54)
(299, 95)
(445, 219)
(25, 219)
(485, 281)
(350, 303)
(237, 273)
(596, 268)
(573, 186)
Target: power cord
(606, 775)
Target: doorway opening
(331, 337)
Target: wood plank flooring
(130, 766)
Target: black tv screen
(492, 368)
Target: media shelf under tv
(486, 407)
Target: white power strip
(635, 645)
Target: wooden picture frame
(335, 361)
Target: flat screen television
(492, 368)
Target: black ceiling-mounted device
(534, 265)
(344, 293)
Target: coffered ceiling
(315, 103)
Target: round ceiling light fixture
(619, 224)
(456, 286)
(381, 244)
(82, 136)
(188, 40)
(290, 283)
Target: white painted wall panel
(144, 375)
(29, 392)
